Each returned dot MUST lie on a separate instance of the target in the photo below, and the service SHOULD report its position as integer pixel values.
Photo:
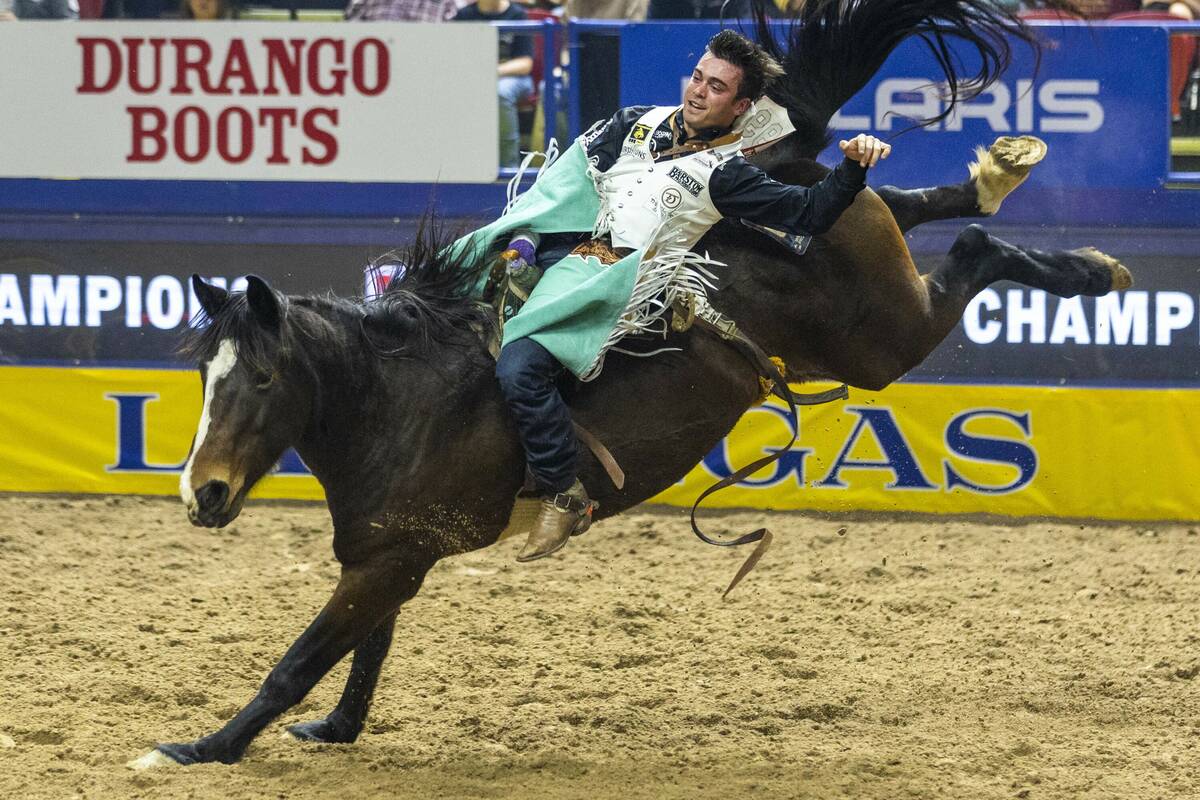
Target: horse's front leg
(993, 176)
(365, 597)
(345, 722)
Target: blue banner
(1105, 119)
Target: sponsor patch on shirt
(635, 152)
(671, 198)
(640, 132)
(685, 180)
(594, 132)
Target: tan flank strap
(615, 473)
(725, 328)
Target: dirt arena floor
(865, 658)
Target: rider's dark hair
(759, 68)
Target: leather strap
(569, 502)
(615, 473)
(767, 368)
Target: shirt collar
(708, 134)
(703, 135)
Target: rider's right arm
(604, 140)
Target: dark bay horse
(394, 405)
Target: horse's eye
(265, 380)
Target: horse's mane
(237, 321)
(431, 302)
(834, 47)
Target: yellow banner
(107, 431)
(1018, 451)
(1100, 453)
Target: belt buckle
(599, 249)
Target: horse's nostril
(212, 495)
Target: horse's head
(256, 399)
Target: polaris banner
(1105, 118)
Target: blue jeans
(512, 89)
(528, 375)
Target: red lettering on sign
(319, 136)
(185, 63)
(338, 74)
(88, 84)
(383, 67)
(203, 136)
(237, 67)
(245, 134)
(288, 65)
(137, 80)
(144, 133)
(275, 117)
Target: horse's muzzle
(211, 509)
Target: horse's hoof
(159, 757)
(319, 730)
(1122, 278)
(1003, 167)
(1018, 153)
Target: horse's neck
(382, 437)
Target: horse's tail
(834, 47)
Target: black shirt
(512, 45)
(737, 187)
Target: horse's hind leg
(365, 597)
(978, 259)
(915, 315)
(994, 174)
(345, 722)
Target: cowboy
(646, 185)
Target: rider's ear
(212, 298)
(263, 302)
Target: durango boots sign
(246, 102)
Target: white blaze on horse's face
(216, 371)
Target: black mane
(431, 302)
(235, 320)
(434, 299)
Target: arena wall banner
(1105, 119)
(246, 101)
(127, 302)
(960, 438)
(912, 447)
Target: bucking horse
(393, 402)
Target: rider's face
(710, 99)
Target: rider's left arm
(740, 189)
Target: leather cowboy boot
(561, 516)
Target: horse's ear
(263, 302)
(212, 297)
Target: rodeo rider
(646, 185)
